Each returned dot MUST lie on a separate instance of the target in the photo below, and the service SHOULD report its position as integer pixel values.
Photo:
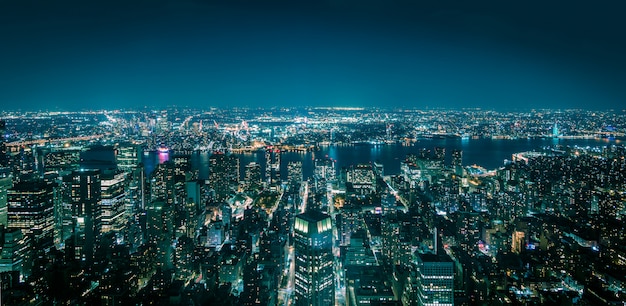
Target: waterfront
(488, 153)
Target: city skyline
(107, 55)
(317, 206)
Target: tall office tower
(253, 176)
(6, 182)
(16, 252)
(324, 172)
(160, 230)
(294, 174)
(4, 159)
(268, 165)
(31, 209)
(86, 198)
(388, 203)
(162, 124)
(113, 200)
(135, 191)
(435, 280)
(190, 218)
(163, 184)
(272, 165)
(223, 175)
(183, 169)
(128, 156)
(314, 274)
(193, 192)
(3, 148)
(361, 178)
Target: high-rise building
(435, 280)
(223, 174)
(16, 252)
(324, 173)
(294, 173)
(6, 182)
(361, 178)
(160, 230)
(183, 169)
(31, 209)
(272, 165)
(314, 275)
(86, 197)
(113, 200)
(162, 183)
(253, 176)
(128, 157)
(325, 169)
(3, 147)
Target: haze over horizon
(73, 55)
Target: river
(488, 153)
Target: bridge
(14, 146)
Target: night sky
(503, 55)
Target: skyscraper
(294, 174)
(113, 198)
(223, 175)
(128, 156)
(253, 176)
(314, 273)
(361, 178)
(435, 280)
(85, 200)
(272, 165)
(6, 182)
(3, 147)
(31, 209)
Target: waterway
(488, 153)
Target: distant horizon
(304, 107)
(492, 55)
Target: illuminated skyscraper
(272, 166)
(128, 156)
(314, 275)
(223, 175)
(16, 252)
(5, 183)
(361, 178)
(85, 201)
(294, 173)
(31, 209)
(435, 280)
(253, 175)
(3, 147)
(113, 199)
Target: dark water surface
(488, 153)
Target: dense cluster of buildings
(120, 208)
